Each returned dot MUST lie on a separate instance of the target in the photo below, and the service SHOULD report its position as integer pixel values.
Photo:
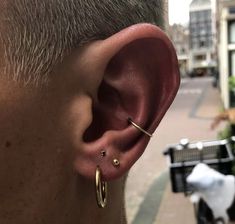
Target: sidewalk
(149, 198)
(176, 208)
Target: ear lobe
(140, 81)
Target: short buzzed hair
(38, 34)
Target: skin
(48, 155)
(39, 183)
(37, 156)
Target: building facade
(202, 27)
(179, 35)
(226, 48)
(166, 15)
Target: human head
(71, 75)
(72, 23)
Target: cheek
(33, 148)
(15, 167)
(39, 135)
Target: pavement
(175, 207)
(149, 196)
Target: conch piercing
(101, 189)
(139, 128)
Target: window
(231, 26)
(202, 43)
(193, 17)
(203, 32)
(200, 16)
(194, 43)
(209, 28)
(208, 15)
(200, 57)
(232, 62)
(232, 10)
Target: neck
(78, 205)
(73, 203)
(36, 164)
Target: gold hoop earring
(139, 128)
(101, 189)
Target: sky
(179, 11)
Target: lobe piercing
(103, 153)
(116, 162)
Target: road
(190, 116)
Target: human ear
(134, 74)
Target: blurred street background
(203, 33)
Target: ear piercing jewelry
(139, 128)
(116, 162)
(101, 189)
(103, 153)
(101, 186)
